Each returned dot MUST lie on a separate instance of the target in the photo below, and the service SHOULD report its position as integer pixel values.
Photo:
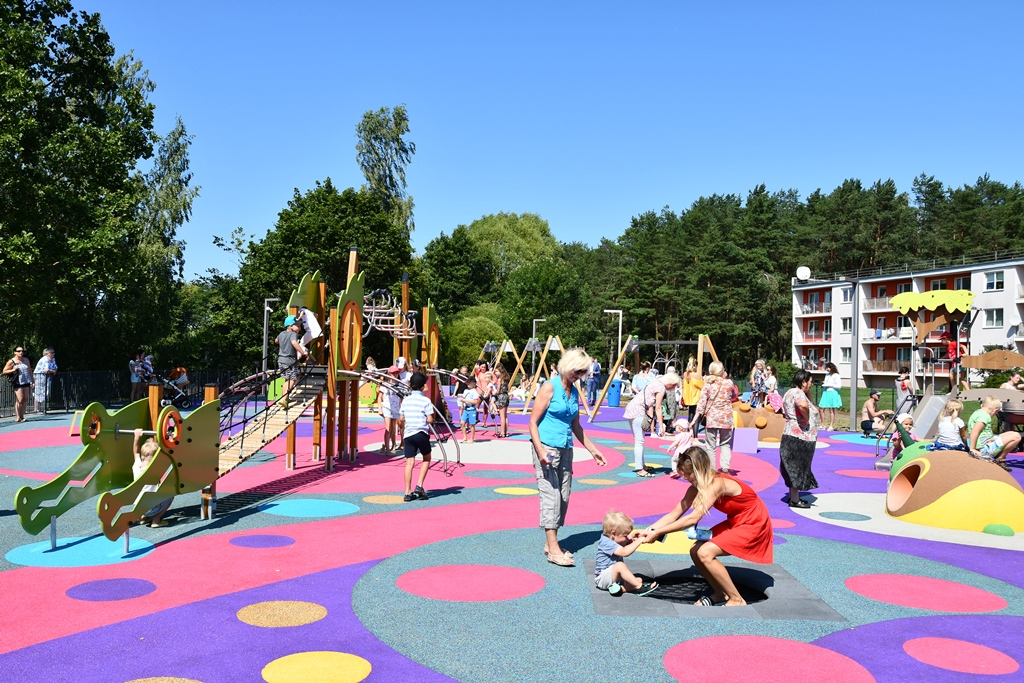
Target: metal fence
(69, 391)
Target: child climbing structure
(197, 449)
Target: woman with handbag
(715, 407)
(18, 371)
(644, 413)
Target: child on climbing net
(610, 571)
(683, 440)
(468, 401)
(951, 434)
(144, 455)
(906, 420)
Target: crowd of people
(26, 381)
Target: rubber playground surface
(309, 576)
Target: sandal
(801, 503)
(642, 473)
(159, 525)
(563, 560)
(704, 602)
(646, 588)
(564, 552)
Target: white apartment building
(824, 326)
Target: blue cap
(290, 320)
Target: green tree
(383, 155)
(463, 338)
(75, 122)
(457, 272)
(549, 289)
(512, 240)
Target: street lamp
(533, 354)
(803, 274)
(618, 347)
(267, 310)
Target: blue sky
(585, 113)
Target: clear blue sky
(587, 113)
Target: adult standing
(138, 384)
(641, 378)
(672, 395)
(715, 405)
(554, 422)
(830, 399)
(390, 405)
(46, 368)
(799, 438)
(645, 407)
(501, 399)
(692, 384)
(954, 352)
(19, 371)
(746, 532)
(593, 381)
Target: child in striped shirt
(413, 417)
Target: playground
(306, 575)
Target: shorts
(991, 447)
(158, 508)
(289, 372)
(936, 446)
(417, 443)
(469, 416)
(605, 579)
(867, 426)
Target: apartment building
(824, 326)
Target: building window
(994, 281)
(846, 354)
(901, 322)
(881, 291)
(962, 282)
(812, 298)
(847, 294)
(847, 324)
(994, 317)
(880, 353)
(880, 322)
(938, 284)
(904, 287)
(903, 355)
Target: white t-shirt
(770, 383)
(949, 431)
(138, 467)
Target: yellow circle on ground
(322, 667)
(516, 491)
(384, 500)
(606, 482)
(770, 439)
(163, 679)
(676, 543)
(627, 449)
(281, 613)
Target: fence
(68, 391)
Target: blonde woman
(554, 422)
(646, 406)
(692, 384)
(746, 532)
(501, 399)
(758, 387)
(715, 406)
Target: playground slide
(926, 417)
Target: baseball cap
(290, 320)
(400, 362)
(874, 392)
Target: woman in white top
(830, 398)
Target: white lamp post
(267, 310)
(618, 347)
(533, 354)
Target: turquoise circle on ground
(632, 475)
(107, 590)
(519, 437)
(844, 516)
(78, 551)
(308, 507)
(613, 442)
(855, 438)
(499, 474)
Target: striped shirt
(415, 409)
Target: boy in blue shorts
(610, 572)
(468, 402)
(413, 417)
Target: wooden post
(332, 399)
(353, 422)
(156, 397)
(405, 308)
(208, 504)
(611, 375)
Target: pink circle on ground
(470, 583)
(864, 474)
(760, 659)
(961, 656)
(852, 454)
(782, 524)
(924, 592)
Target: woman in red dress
(746, 533)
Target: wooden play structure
(196, 450)
(632, 344)
(553, 344)
(498, 352)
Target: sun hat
(395, 369)
(903, 417)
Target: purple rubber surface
(262, 541)
(111, 589)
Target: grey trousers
(554, 483)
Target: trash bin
(615, 393)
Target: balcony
(877, 304)
(893, 366)
(815, 337)
(1020, 291)
(904, 334)
(821, 308)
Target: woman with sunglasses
(19, 371)
(554, 422)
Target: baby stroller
(174, 388)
